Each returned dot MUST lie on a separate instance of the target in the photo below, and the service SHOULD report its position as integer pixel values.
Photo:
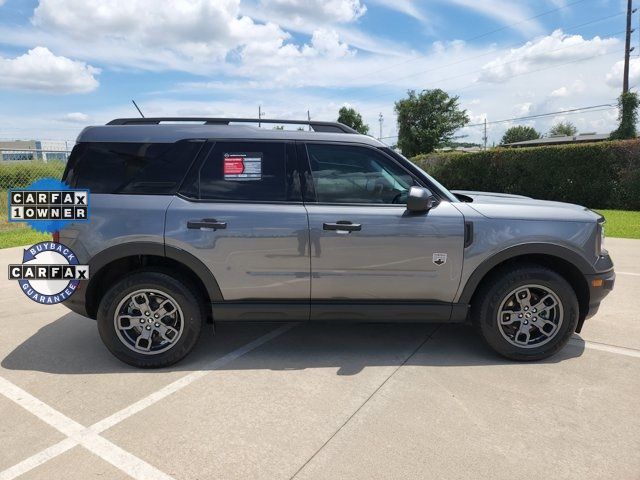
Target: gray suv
(205, 219)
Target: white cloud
(545, 51)
(196, 29)
(560, 92)
(40, 70)
(76, 117)
(198, 36)
(614, 77)
(304, 11)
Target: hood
(503, 205)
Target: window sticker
(243, 166)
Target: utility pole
(380, 120)
(485, 138)
(259, 115)
(628, 48)
(309, 119)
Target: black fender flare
(130, 249)
(548, 249)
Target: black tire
(167, 283)
(497, 288)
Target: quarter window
(351, 174)
(130, 168)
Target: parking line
(78, 435)
(605, 347)
(89, 438)
(629, 273)
(182, 382)
(38, 459)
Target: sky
(66, 64)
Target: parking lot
(316, 401)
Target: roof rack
(327, 127)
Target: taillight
(56, 237)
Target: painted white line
(629, 352)
(628, 273)
(128, 463)
(44, 412)
(89, 438)
(181, 383)
(38, 459)
(120, 458)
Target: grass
(21, 235)
(15, 234)
(622, 223)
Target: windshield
(442, 189)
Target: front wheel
(526, 312)
(150, 319)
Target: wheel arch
(112, 263)
(567, 263)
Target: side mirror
(420, 200)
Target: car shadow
(71, 345)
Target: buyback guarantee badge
(49, 273)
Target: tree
(428, 120)
(563, 129)
(351, 118)
(519, 133)
(628, 106)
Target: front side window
(246, 171)
(352, 174)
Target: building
(560, 140)
(28, 150)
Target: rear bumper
(76, 302)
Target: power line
(479, 81)
(550, 114)
(573, 111)
(482, 35)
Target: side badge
(439, 258)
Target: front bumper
(600, 285)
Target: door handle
(342, 225)
(206, 224)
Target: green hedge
(21, 174)
(597, 175)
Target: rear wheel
(527, 312)
(150, 319)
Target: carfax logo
(48, 205)
(49, 273)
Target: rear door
(366, 247)
(240, 211)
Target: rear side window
(131, 168)
(246, 172)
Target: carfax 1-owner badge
(49, 272)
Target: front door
(366, 248)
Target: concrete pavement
(321, 401)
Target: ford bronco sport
(197, 219)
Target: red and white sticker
(233, 166)
(243, 166)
